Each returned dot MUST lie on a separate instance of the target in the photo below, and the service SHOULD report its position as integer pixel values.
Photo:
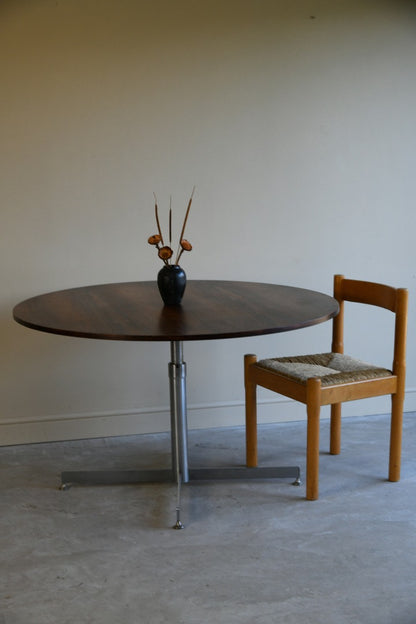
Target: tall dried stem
(170, 221)
(178, 254)
(157, 221)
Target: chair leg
(396, 436)
(335, 435)
(313, 408)
(251, 413)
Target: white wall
(296, 122)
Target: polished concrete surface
(252, 552)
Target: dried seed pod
(186, 245)
(154, 240)
(165, 253)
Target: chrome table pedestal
(180, 472)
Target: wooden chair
(332, 378)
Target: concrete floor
(251, 552)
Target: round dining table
(210, 310)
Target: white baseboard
(157, 420)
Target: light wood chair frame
(314, 395)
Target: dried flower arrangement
(165, 252)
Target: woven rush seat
(331, 368)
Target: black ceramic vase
(171, 281)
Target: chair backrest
(393, 299)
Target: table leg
(179, 427)
(180, 471)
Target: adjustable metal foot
(178, 525)
(297, 480)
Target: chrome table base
(130, 477)
(180, 471)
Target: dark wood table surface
(210, 310)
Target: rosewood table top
(211, 309)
